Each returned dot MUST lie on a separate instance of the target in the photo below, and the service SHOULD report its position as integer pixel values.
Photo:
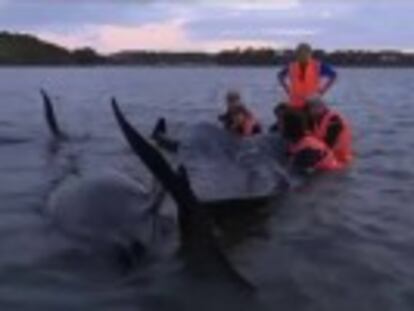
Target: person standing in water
(306, 77)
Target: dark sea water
(342, 241)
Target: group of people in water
(317, 137)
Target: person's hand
(321, 92)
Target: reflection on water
(339, 242)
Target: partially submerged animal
(50, 117)
(106, 208)
(197, 230)
(112, 211)
(223, 165)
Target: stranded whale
(112, 211)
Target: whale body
(222, 165)
(114, 215)
(108, 208)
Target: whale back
(104, 209)
(222, 165)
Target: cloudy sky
(112, 25)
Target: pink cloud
(160, 36)
(169, 36)
(68, 41)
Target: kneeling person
(332, 128)
(306, 152)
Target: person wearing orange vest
(238, 119)
(306, 77)
(331, 127)
(306, 152)
(245, 124)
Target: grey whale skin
(111, 211)
(222, 165)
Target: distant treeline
(18, 49)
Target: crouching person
(331, 127)
(306, 152)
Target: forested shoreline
(27, 50)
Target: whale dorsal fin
(195, 225)
(155, 161)
(50, 116)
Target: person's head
(316, 108)
(233, 101)
(303, 53)
(294, 126)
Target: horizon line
(206, 51)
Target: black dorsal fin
(50, 116)
(196, 229)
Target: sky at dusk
(175, 25)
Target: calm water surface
(340, 242)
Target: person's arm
(274, 128)
(225, 119)
(222, 117)
(330, 75)
(306, 160)
(282, 79)
(334, 130)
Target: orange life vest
(303, 84)
(328, 161)
(342, 148)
